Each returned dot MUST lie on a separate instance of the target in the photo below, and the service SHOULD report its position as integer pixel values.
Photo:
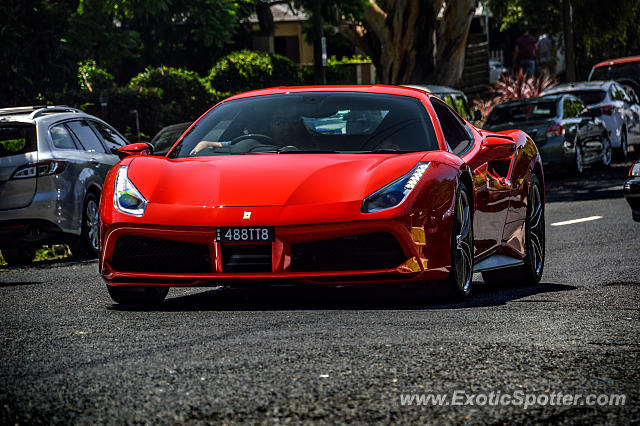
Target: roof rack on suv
(19, 110)
(37, 111)
(46, 110)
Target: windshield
(616, 71)
(343, 122)
(17, 139)
(588, 97)
(512, 113)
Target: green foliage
(91, 78)
(183, 94)
(336, 71)
(247, 70)
(147, 101)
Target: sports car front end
(314, 218)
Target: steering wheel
(257, 136)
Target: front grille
(378, 250)
(144, 254)
(246, 257)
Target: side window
(62, 138)
(458, 137)
(111, 138)
(86, 136)
(569, 109)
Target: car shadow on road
(595, 184)
(346, 298)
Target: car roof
(617, 61)
(377, 88)
(536, 99)
(31, 114)
(580, 85)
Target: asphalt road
(68, 355)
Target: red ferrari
(331, 185)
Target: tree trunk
(452, 42)
(318, 67)
(408, 43)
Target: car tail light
(555, 130)
(607, 109)
(42, 168)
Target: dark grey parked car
(53, 162)
(567, 134)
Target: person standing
(524, 53)
(546, 55)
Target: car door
(490, 168)
(94, 152)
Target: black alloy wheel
(461, 245)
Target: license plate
(245, 234)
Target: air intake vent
(246, 257)
(144, 254)
(378, 250)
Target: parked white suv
(53, 161)
(616, 107)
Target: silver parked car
(614, 103)
(53, 161)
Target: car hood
(266, 180)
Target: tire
(623, 153)
(461, 275)
(607, 152)
(19, 256)
(145, 296)
(87, 245)
(529, 273)
(578, 161)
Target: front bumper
(421, 258)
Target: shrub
(247, 70)
(511, 87)
(336, 72)
(147, 101)
(94, 79)
(184, 96)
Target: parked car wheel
(138, 295)
(607, 152)
(87, 245)
(623, 151)
(530, 272)
(19, 256)
(578, 163)
(461, 245)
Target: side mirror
(140, 148)
(496, 141)
(477, 115)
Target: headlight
(635, 170)
(126, 197)
(396, 192)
